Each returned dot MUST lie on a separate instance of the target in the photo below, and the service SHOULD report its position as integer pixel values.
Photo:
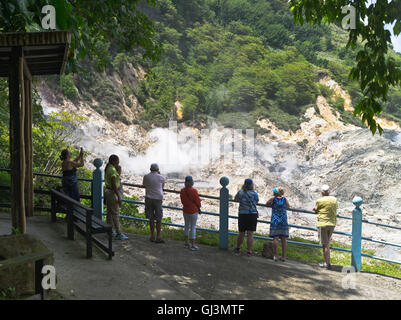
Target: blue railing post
(356, 234)
(223, 230)
(97, 189)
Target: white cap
(325, 188)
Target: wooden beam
(29, 192)
(45, 52)
(17, 187)
(27, 73)
(49, 60)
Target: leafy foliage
(93, 24)
(375, 70)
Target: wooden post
(29, 198)
(97, 189)
(356, 234)
(16, 137)
(223, 229)
(89, 234)
(70, 221)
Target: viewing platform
(144, 270)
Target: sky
(396, 41)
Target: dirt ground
(144, 270)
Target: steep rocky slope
(324, 150)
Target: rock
(20, 277)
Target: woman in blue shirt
(247, 214)
(279, 223)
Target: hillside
(231, 62)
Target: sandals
(159, 241)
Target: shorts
(325, 234)
(247, 222)
(153, 209)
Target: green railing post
(356, 234)
(223, 229)
(97, 189)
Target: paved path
(145, 270)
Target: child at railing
(279, 223)
(191, 208)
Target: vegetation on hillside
(375, 70)
(232, 62)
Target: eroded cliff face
(323, 151)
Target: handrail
(47, 192)
(48, 175)
(234, 217)
(381, 224)
(66, 198)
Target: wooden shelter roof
(45, 52)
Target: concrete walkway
(144, 270)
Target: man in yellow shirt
(326, 209)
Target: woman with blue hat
(247, 214)
(279, 223)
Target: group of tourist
(326, 207)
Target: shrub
(68, 87)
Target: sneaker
(249, 253)
(282, 259)
(194, 248)
(114, 234)
(275, 259)
(187, 246)
(121, 236)
(323, 265)
(236, 250)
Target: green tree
(90, 22)
(375, 70)
(51, 136)
(68, 87)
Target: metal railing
(223, 214)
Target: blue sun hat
(189, 179)
(248, 181)
(275, 190)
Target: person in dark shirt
(69, 168)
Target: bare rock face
(355, 163)
(323, 151)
